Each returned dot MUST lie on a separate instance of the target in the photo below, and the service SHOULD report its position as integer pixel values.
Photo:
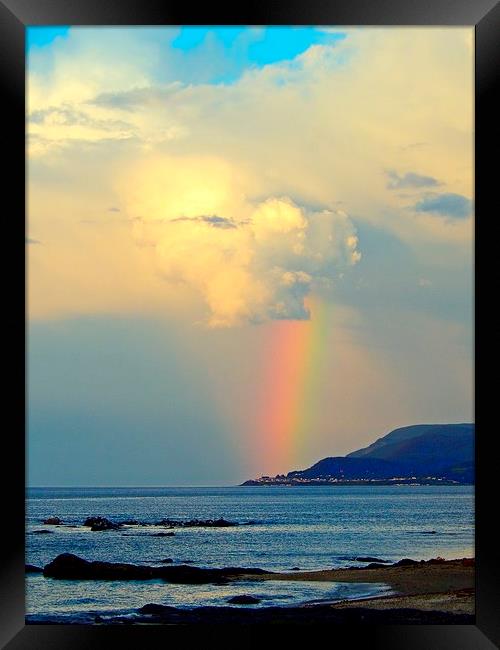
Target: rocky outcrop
(41, 532)
(52, 521)
(244, 600)
(197, 523)
(31, 568)
(100, 523)
(71, 567)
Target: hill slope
(424, 451)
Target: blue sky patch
(43, 36)
(252, 47)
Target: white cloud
(248, 262)
(108, 112)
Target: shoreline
(426, 592)
(422, 577)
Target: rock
(100, 523)
(374, 565)
(157, 610)
(468, 562)
(71, 567)
(295, 568)
(197, 523)
(406, 562)
(437, 560)
(129, 522)
(52, 521)
(162, 534)
(42, 532)
(220, 523)
(167, 560)
(30, 568)
(371, 559)
(244, 600)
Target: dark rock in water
(52, 521)
(406, 562)
(71, 567)
(371, 559)
(167, 560)
(197, 523)
(129, 522)
(42, 532)
(157, 610)
(30, 568)
(162, 534)
(374, 565)
(100, 523)
(243, 600)
(295, 568)
(105, 526)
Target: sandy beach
(418, 578)
(426, 592)
(446, 586)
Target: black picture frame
(15, 16)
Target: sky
(247, 248)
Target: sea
(281, 528)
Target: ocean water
(282, 527)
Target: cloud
(448, 205)
(257, 265)
(409, 179)
(67, 124)
(137, 98)
(315, 130)
(214, 220)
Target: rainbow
(296, 354)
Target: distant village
(282, 479)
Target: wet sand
(421, 578)
(444, 587)
(456, 602)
